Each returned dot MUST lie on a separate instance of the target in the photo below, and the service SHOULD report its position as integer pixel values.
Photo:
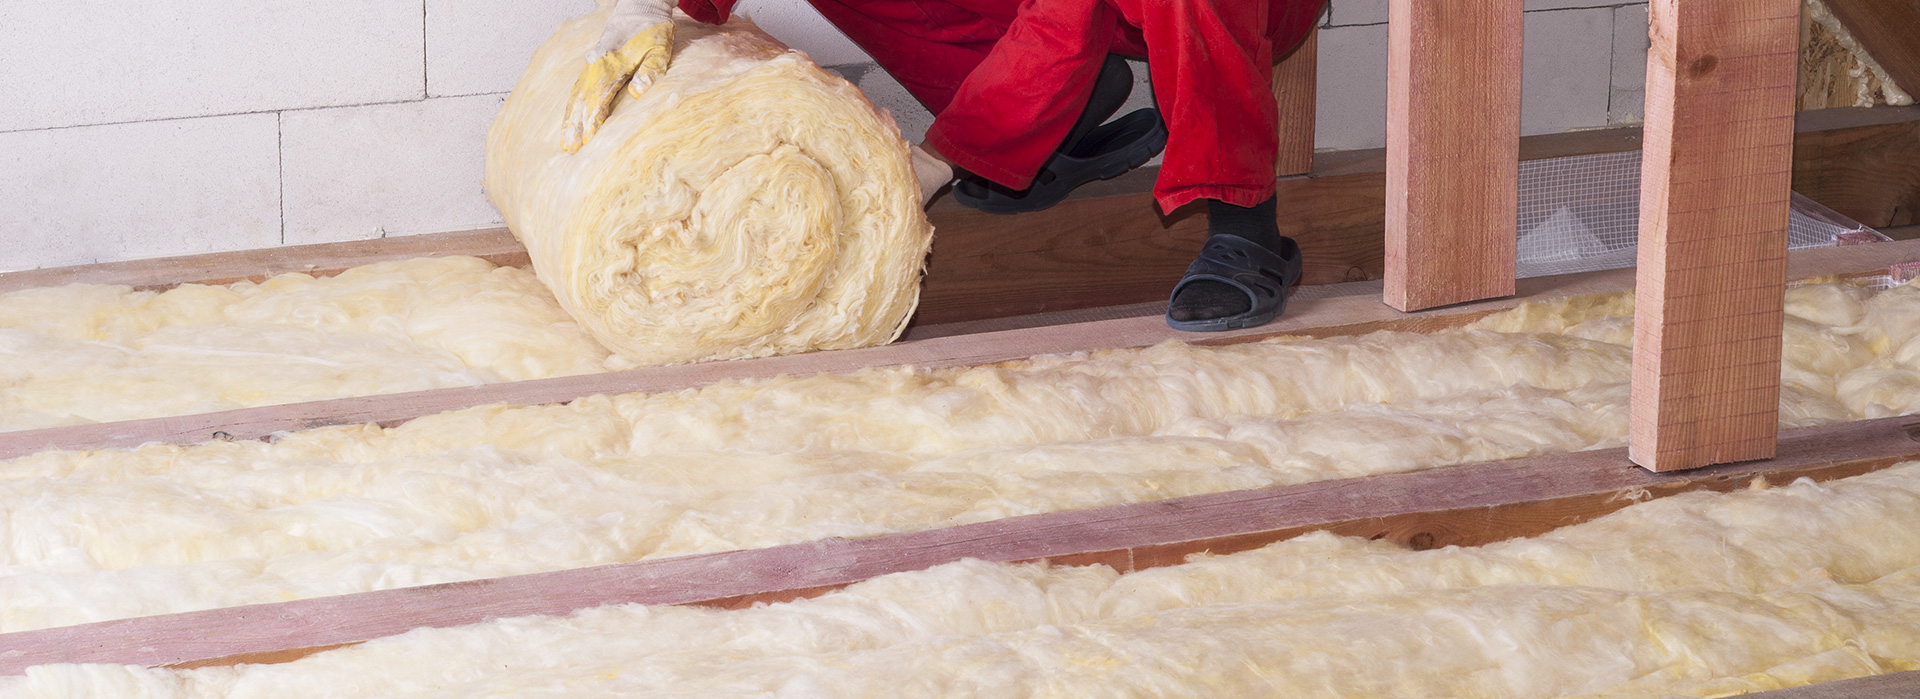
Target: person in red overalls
(1020, 91)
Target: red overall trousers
(1006, 79)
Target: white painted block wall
(134, 130)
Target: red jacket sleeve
(709, 11)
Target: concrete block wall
(1584, 66)
(134, 130)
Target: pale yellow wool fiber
(1697, 595)
(502, 490)
(746, 204)
(88, 353)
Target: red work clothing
(1006, 79)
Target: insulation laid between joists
(500, 490)
(1696, 595)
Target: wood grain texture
(1870, 172)
(1350, 310)
(1103, 251)
(1469, 504)
(1896, 685)
(1618, 139)
(1294, 84)
(1886, 30)
(1453, 150)
(1715, 190)
(495, 245)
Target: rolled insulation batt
(746, 204)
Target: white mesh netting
(1581, 214)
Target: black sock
(1206, 300)
(1110, 90)
(1256, 223)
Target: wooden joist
(1453, 150)
(1714, 193)
(1461, 505)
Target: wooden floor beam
(1462, 505)
(1453, 150)
(1714, 197)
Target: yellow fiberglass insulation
(500, 490)
(86, 353)
(1697, 595)
(746, 204)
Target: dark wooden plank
(1866, 170)
(1105, 251)
(1473, 504)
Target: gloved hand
(931, 172)
(635, 48)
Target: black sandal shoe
(1108, 151)
(1263, 275)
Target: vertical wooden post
(1453, 150)
(1294, 79)
(1713, 215)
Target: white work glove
(932, 173)
(635, 48)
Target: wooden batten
(1453, 150)
(1460, 505)
(1714, 196)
